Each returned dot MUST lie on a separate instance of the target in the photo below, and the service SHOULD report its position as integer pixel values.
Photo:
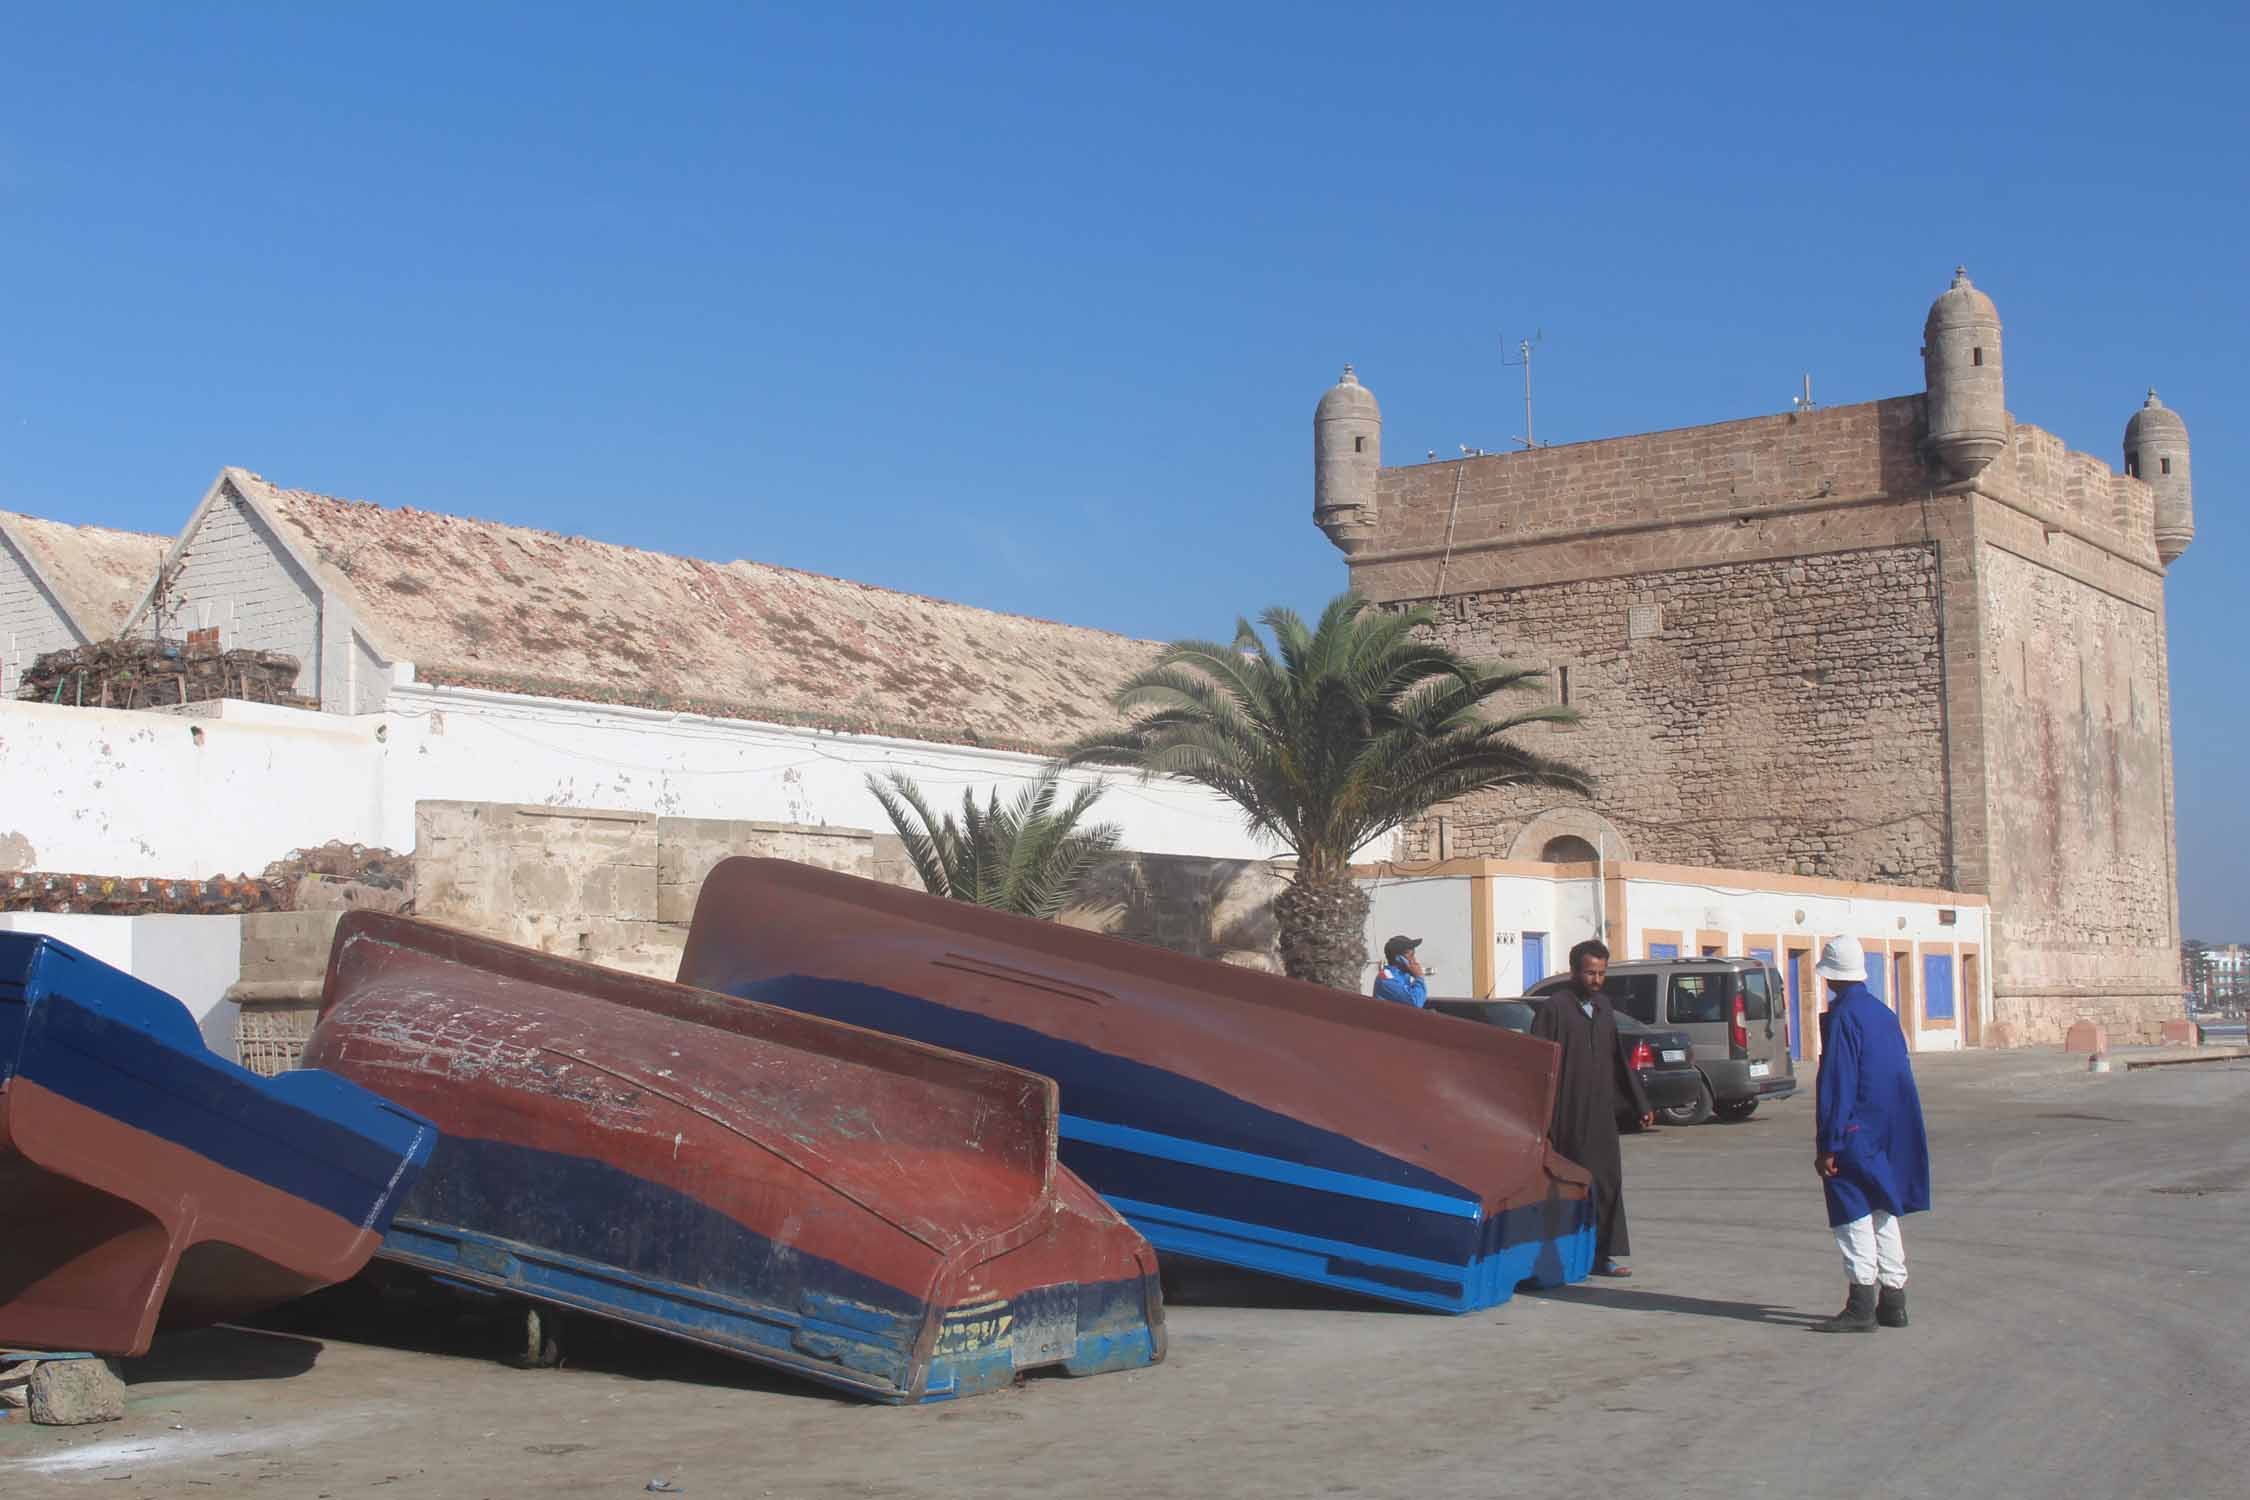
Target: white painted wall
(111, 792)
(1568, 909)
(32, 620)
(1433, 908)
(1807, 920)
(193, 959)
(463, 744)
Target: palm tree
(1025, 857)
(1328, 738)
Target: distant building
(1909, 642)
(2223, 982)
(64, 586)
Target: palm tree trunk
(1322, 918)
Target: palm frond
(1022, 856)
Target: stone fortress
(1910, 641)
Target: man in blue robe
(1871, 1152)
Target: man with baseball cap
(1871, 1151)
(1402, 977)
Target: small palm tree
(1026, 857)
(1327, 739)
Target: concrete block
(2086, 1036)
(2182, 1034)
(287, 945)
(72, 1392)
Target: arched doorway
(1569, 835)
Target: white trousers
(1873, 1248)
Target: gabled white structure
(244, 571)
(64, 586)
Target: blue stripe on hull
(582, 1234)
(1226, 1180)
(1098, 1085)
(1447, 1286)
(105, 1040)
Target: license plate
(1760, 1070)
(1674, 1054)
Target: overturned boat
(872, 1213)
(1230, 1115)
(146, 1179)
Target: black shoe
(1858, 1315)
(1890, 1307)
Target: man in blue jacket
(1872, 1154)
(1401, 978)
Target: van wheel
(1738, 1109)
(1690, 1114)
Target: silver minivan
(1730, 1008)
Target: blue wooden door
(1534, 959)
(1937, 986)
(1876, 978)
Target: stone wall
(2079, 769)
(1800, 649)
(1782, 715)
(1206, 908)
(613, 888)
(619, 888)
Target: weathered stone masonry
(1832, 642)
(1715, 686)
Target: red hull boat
(1230, 1115)
(879, 1215)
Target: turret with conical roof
(1347, 462)
(1968, 401)
(2156, 450)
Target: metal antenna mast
(1523, 352)
(1805, 401)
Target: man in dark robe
(1596, 1084)
(1871, 1150)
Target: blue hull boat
(1229, 1115)
(148, 1180)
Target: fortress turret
(2156, 449)
(1968, 402)
(1347, 460)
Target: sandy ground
(2079, 1328)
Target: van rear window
(1634, 994)
(1754, 1001)
(1701, 998)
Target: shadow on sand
(1202, 1283)
(1612, 1295)
(222, 1353)
(394, 1308)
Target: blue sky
(1029, 306)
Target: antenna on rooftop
(1804, 402)
(1523, 357)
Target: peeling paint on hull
(883, 1217)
